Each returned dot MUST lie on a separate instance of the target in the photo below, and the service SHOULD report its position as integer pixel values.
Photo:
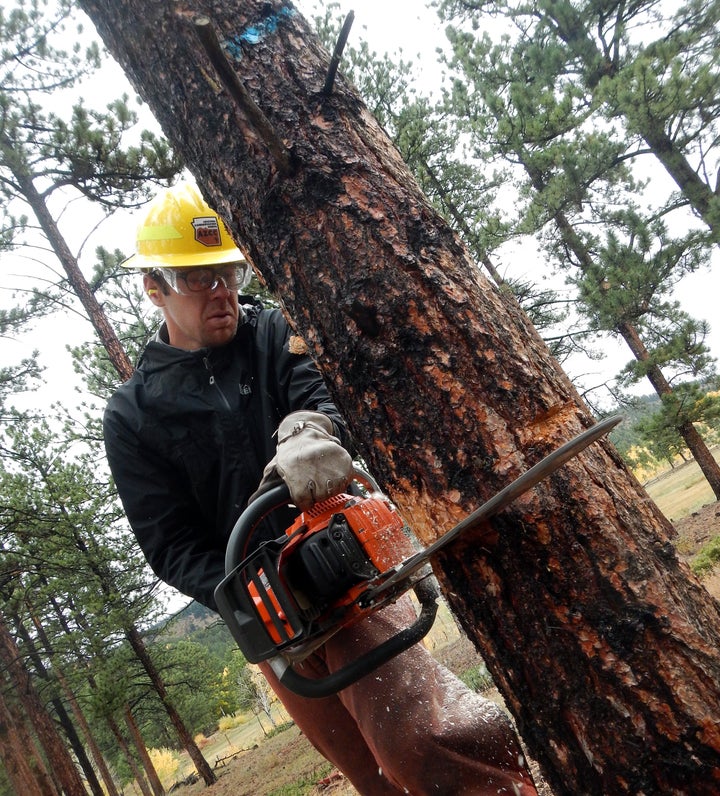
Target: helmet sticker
(207, 230)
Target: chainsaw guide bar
(532, 477)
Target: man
(192, 436)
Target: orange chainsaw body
(333, 550)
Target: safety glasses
(197, 280)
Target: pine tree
(57, 511)
(59, 760)
(48, 161)
(583, 199)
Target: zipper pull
(208, 367)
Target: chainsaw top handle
(264, 505)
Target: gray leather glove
(309, 459)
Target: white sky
(406, 25)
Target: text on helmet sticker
(207, 230)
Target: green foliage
(280, 728)
(193, 676)
(688, 403)
(648, 435)
(583, 101)
(54, 151)
(705, 561)
(477, 678)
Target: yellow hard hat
(181, 231)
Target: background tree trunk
(140, 650)
(603, 644)
(143, 754)
(59, 760)
(60, 711)
(133, 764)
(118, 356)
(23, 765)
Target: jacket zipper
(213, 382)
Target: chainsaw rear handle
(316, 688)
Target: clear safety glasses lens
(197, 280)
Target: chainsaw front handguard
(367, 663)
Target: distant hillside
(624, 436)
(200, 625)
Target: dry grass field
(682, 490)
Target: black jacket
(188, 436)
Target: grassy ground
(680, 491)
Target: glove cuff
(295, 422)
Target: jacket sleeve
(164, 520)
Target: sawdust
(288, 758)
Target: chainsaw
(339, 562)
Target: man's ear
(153, 290)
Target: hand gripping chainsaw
(338, 562)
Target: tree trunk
(691, 436)
(201, 764)
(18, 754)
(110, 787)
(140, 780)
(147, 764)
(58, 705)
(108, 781)
(604, 646)
(117, 354)
(59, 760)
(135, 640)
(82, 723)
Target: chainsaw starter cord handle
(365, 664)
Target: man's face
(205, 318)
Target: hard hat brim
(201, 259)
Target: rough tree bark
(19, 756)
(59, 760)
(602, 643)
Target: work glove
(309, 459)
